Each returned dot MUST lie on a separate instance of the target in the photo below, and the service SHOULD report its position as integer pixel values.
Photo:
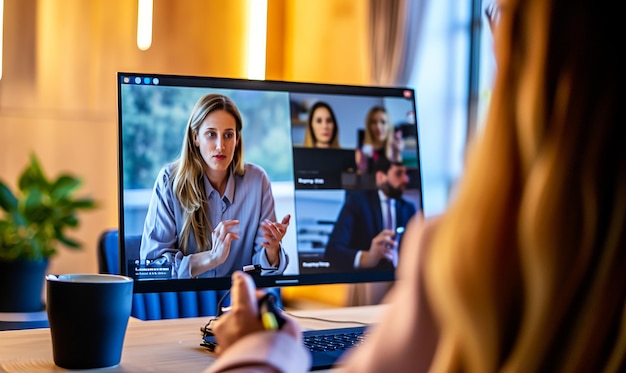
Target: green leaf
(64, 186)
(70, 221)
(83, 204)
(70, 243)
(35, 206)
(32, 177)
(8, 201)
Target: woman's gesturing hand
(221, 237)
(273, 232)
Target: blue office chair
(165, 305)
(17, 321)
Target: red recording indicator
(407, 93)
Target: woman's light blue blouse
(247, 198)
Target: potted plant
(33, 224)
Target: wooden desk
(153, 346)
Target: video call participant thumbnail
(381, 140)
(322, 130)
(363, 235)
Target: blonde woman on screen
(524, 272)
(211, 213)
(380, 140)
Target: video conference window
(310, 145)
(325, 174)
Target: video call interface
(311, 184)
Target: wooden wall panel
(326, 41)
(17, 87)
(58, 96)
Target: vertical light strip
(144, 24)
(257, 33)
(1, 35)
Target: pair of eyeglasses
(492, 12)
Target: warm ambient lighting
(257, 32)
(144, 24)
(1, 36)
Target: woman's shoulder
(166, 174)
(254, 177)
(253, 169)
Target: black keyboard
(326, 346)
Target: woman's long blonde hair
(370, 139)
(527, 270)
(188, 171)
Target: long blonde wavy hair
(189, 171)
(527, 270)
(369, 137)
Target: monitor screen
(311, 182)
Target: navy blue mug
(88, 315)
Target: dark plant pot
(21, 285)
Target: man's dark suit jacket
(359, 221)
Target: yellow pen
(269, 313)
(269, 321)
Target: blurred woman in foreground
(525, 270)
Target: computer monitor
(310, 184)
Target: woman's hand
(221, 237)
(273, 232)
(243, 318)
